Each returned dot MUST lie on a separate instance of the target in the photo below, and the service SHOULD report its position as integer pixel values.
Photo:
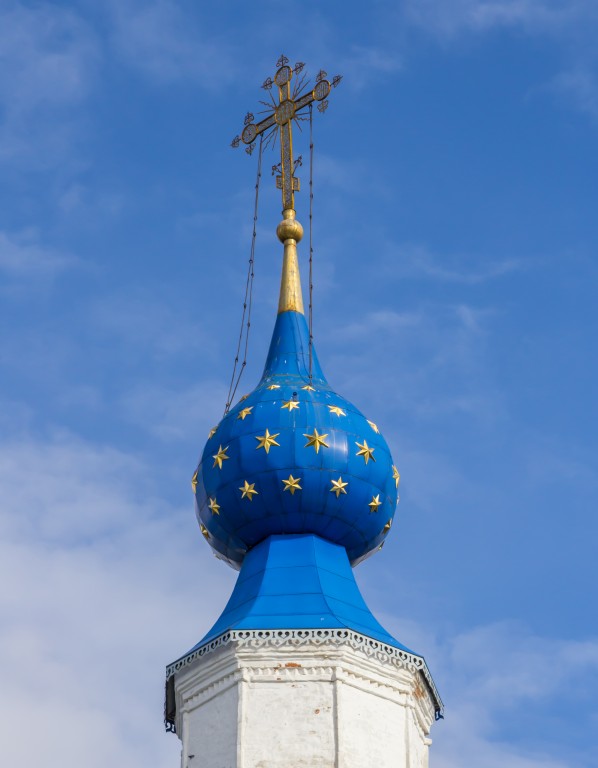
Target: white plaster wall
(211, 732)
(419, 742)
(377, 733)
(261, 704)
(289, 723)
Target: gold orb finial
(289, 228)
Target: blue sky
(455, 235)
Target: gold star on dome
(292, 484)
(396, 476)
(336, 410)
(244, 413)
(220, 457)
(266, 441)
(248, 490)
(309, 388)
(243, 398)
(338, 486)
(194, 481)
(373, 426)
(316, 440)
(387, 527)
(214, 506)
(273, 386)
(375, 503)
(204, 531)
(366, 451)
(291, 405)
(212, 432)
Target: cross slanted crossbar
(281, 117)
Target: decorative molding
(213, 688)
(255, 639)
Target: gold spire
(289, 233)
(293, 99)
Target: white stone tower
(296, 487)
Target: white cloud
(103, 584)
(439, 362)
(49, 496)
(15, 416)
(160, 40)
(385, 321)
(488, 674)
(418, 260)
(146, 323)
(22, 257)
(87, 204)
(579, 86)
(552, 461)
(172, 414)
(447, 18)
(570, 25)
(46, 53)
(49, 56)
(360, 64)
(52, 57)
(497, 669)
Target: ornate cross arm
(281, 117)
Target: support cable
(247, 301)
(311, 248)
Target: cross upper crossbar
(281, 119)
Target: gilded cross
(291, 102)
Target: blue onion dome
(294, 456)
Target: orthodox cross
(290, 103)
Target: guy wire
(311, 248)
(247, 301)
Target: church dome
(294, 487)
(294, 456)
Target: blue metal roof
(297, 582)
(244, 496)
(289, 351)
